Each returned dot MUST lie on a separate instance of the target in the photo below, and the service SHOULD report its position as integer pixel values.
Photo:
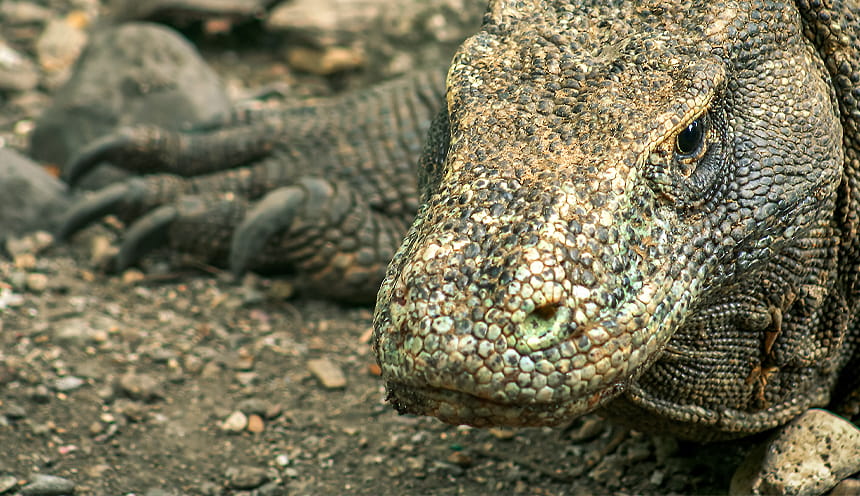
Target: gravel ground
(176, 379)
(188, 383)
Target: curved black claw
(273, 214)
(96, 206)
(144, 235)
(94, 153)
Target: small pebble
(37, 282)
(48, 485)
(25, 261)
(246, 477)
(503, 434)
(273, 411)
(40, 394)
(282, 289)
(132, 276)
(68, 383)
(246, 378)
(236, 422)
(460, 459)
(98, 470)
(253, 405)
(14, 411)
(102, 251)
(140, 386)
(415, 463)
(255, 424)
(327, 372)
(74, 332)
(244, 361)
(193, 364)
(134, 411)
(325, 61)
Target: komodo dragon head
(626, 206)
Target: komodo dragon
(643, 208)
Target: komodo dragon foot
(325, 189)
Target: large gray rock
(176, 11)
(30, 198)
(807, 457)
(133, 73)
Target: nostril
(544, 327)
(546, 311)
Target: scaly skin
(637, 207)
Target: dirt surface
(175, 379)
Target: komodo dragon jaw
(622, 212)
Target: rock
(271, 488)
(246, 477)
(327, 372)
(807, 457)
(60, 45)
(29, 244)
(8, 299)
(133, 73)
(208, 488)
(48, 485)
(15, 12)
(371, 27)
(30, 198)
(14, 411)
(179, 12)
(848, 487)
(7, 482)
(326, 16)
(17, 72)
(157, 491)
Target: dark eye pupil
(690, 139)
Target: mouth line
(441, 395)
(459, 407)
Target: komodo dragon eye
(689, 141)
(687, 168)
